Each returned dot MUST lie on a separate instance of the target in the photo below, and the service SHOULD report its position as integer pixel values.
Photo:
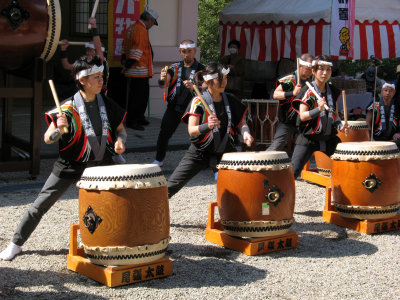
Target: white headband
(93, 70)
(322, 63)
(186, 46)
(215, 75)
(305, 63)
(390, 85)
(90, 45)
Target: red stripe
(392, 45)
(233, 33)
(304, 39)
(282, 40)
(253, 28)
(223, 41)
(377, 39)
(261, 33)
(318, 38)
(363, 42)
(274, 44)
(293, 41)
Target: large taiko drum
(256, 192)
(124, 214)
(366, 180)
(28, 29)
(358, 132)
(262, 119)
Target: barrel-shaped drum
(124, 214)
(28, 29)
(358, 132)
(256, 192)
(366, 180)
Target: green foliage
(208, 28)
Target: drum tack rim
(53, 30)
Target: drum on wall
(366, 180)
(124, 214)
(358, 132)
(28, 29)
(262, 119)
(256, 193)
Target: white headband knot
(321, 63)
(93, 70)
(390, 85)
(186, 46)
(215, 75)
(305, 63)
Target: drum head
(357, 124)
(131, 176)
(365, 151)
(255, 161)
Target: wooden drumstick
(72, 43)
(344, 107)
(298, 70)
(203, 101)
(63, 129)
(316, 94)
(94, 12)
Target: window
(80, 13)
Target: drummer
(317, 126)
(211, 135)
(100, 121)
(386, 116)
(286, 91)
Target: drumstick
(298, 71)
(316, 94)
(63, 129)
(344, 106)
(203, 101)
(94, 12)
(73, 43)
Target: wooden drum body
(28, 29)
(262, 118)
(366, 180)
(358, 132)
(124, 214)
(256, 192)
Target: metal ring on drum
(124, 214)
(262, 119)
(28, 29)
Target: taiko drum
(366, 180)
(28, 29)
(256, 192)
(358, 132)
(124, 214)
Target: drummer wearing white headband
(288, 88)
(386, 115)
(95, 134)
(212, 131)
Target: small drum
(124, 214)
(358, 132)
(28, 29)
(262, 118)
(366, 180)
(256, 192)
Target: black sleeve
(238, 109)
(116, 115)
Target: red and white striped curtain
(273, 41)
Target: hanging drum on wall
(28, 29)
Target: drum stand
(313, 176)
(114, 276)
(249, 246)
(330, 215)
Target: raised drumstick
(344, 106)
(316, 94)
(55, 96)
(298, 71)
(94, 12)
(72, 43)
(203, 101)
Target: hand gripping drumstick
(94, 12)
(53, 90)
(202, 100)
(316, 94)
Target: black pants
(191, 164)
(282, 135)
(302, 153)
(139, 90)
(169, 123)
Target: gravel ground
(330, 262)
